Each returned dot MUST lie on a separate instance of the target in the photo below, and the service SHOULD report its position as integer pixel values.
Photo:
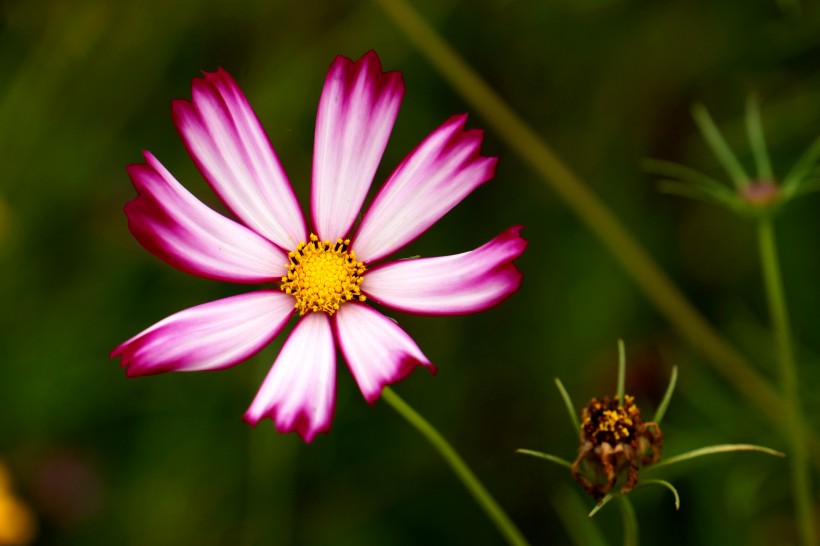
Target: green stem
(501, 520)
(788, 374)
(524, 141)
(630, 521)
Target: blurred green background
(166, 460)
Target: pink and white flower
(324, 275)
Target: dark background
(166, 460)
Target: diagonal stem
(524, 141)
(496, 514)
(800, 475)
(630, 521)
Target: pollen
(608, 421)
(323, 275)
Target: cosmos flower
(326, 275)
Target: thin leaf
(621, 372)
(809, 185)
(757, 139)
(711, 450)
(568, 404)
(671, 169)
(719, 195)
(804, 165)
(546, 456)
(666, 484)
(661, 411)
(601, 503)
(716, 142)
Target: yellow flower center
(322, 275)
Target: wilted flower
(615, 443)
(614, 440)
(324, 274)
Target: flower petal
(180, 230)
(231, 149)
(377, 351)
(211, 336)
(357, 110)
(450, 285)
(300, 390)
(434, 178)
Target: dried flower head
(615, 442)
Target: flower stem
(501, 520)
(630, 521)
(788, 375)
(646, 273)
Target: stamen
(607, 421)
(322, 276)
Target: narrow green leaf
(680, 172)
(666, 484)
(802, 167)
(568, 404)
(809, 185)
(603, 502)
(546, 456)
(712, 450)
(621, 372)
(716, 142)
(667, 396)
(757, 138)
(716, 195)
